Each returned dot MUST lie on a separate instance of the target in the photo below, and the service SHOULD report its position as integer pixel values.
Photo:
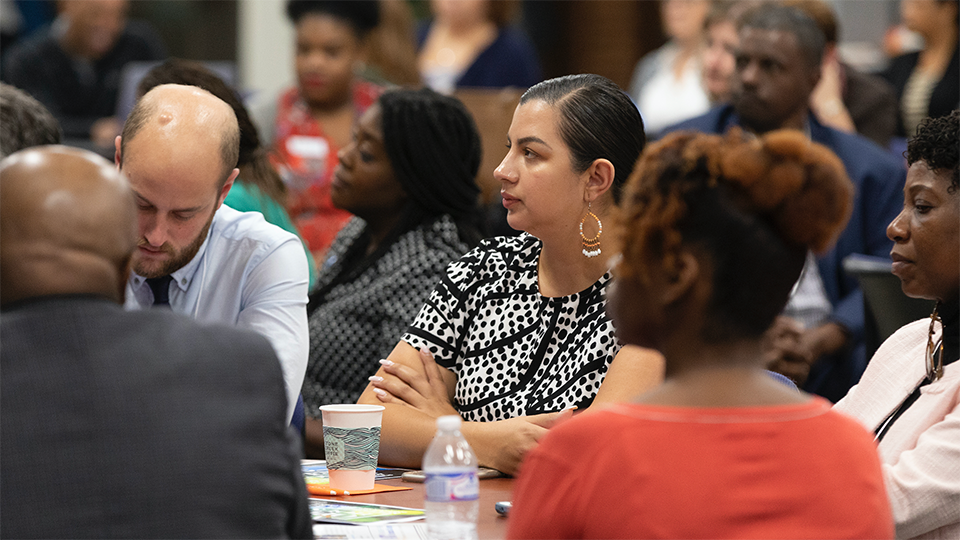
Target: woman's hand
(502, 445)
(792, 350)
(415, 391)
(425, 392)
(827, 97)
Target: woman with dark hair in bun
(312, 120)
(408, 177)
(714, 232)
(514, 336)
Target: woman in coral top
(314, 119)
(714, 233)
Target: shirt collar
(730, 118)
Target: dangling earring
(934, 350)
(591, 246)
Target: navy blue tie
(161, 290)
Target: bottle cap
(449, 423)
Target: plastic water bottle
(452, 485)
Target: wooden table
(490, 525)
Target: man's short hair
(24, 122)
(728, 11)
(144, 110)
(822, 14)
(782, 18)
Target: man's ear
(600, 176)
(829, 54)
(116, 154)
(366, 46)
(814, 73)
(226, 186)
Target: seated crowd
(664, 338)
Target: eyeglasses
(934, 368)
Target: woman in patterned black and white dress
(515, 335)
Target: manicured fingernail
(379, 392)
(375, 379)
(385, 362)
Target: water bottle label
(452, 486)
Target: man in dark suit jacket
(778, 66)
(119, 424)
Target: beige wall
(608, 37)
(265, 48)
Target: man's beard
(178, 259)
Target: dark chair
(885, 307)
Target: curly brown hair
(753, 206)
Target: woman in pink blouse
(909, 394)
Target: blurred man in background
(73, 66)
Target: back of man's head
(773, 16)
(24, 122)
(68, 225)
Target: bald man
(119, 424)
(179, 150)
(73, 66)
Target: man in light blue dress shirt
(179, 150)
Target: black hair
(597, 120)
(362, 15)
(434, 150)
(754, 269)
(937, 143)
(24, 122)
(792, 20)
(252, 155)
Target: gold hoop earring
(591, 246)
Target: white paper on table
(398, 531)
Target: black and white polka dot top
(515, 352)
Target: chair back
(885, 307)
(492, 110)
